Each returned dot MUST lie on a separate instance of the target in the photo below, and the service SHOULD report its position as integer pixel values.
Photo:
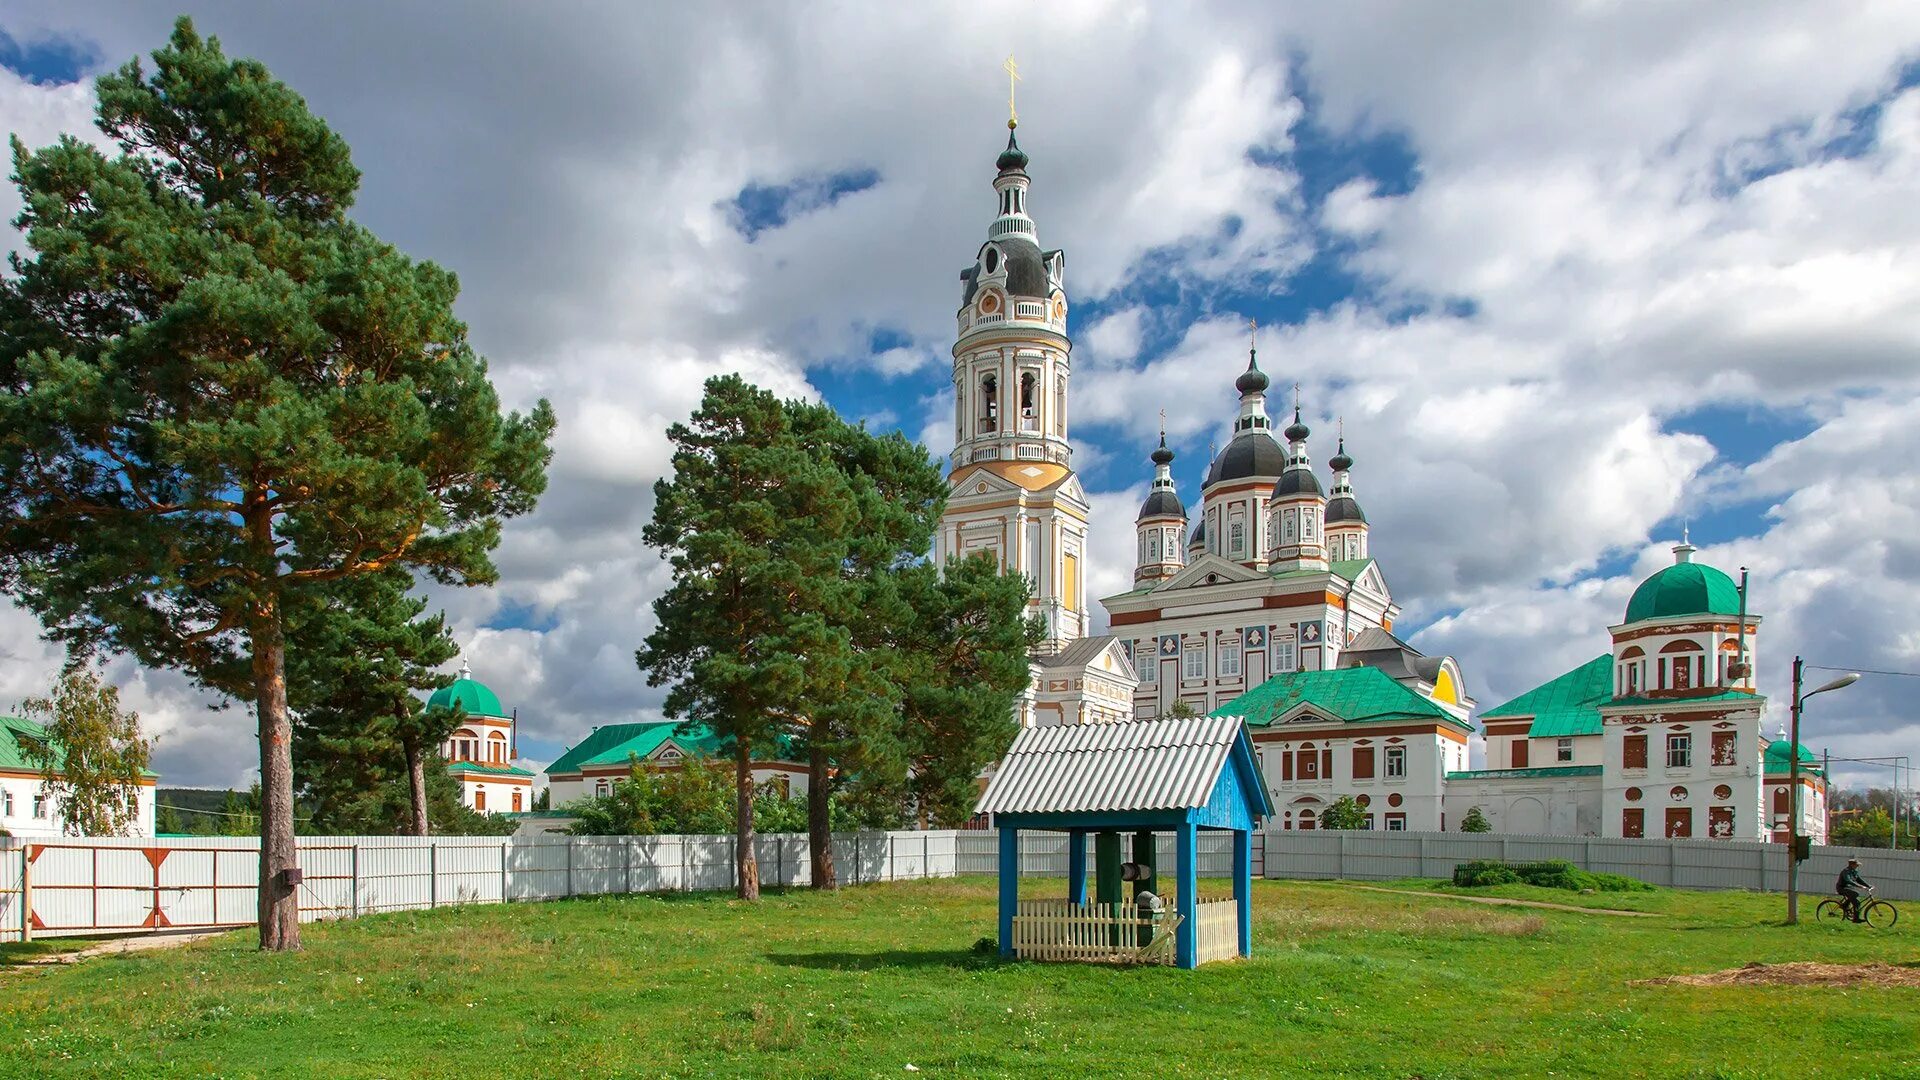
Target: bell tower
(1012, 489)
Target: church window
(1060, 405)
(602, 788)
(1029, 395)
(1306, 525)
(1149, 663)
(516, 803)
(1396, 823)
(1563, 750)
(1286, 526)
(1229, 659)
(479, 798)
(1633, 752)
(1285, 656)
(1396, 762)
(1726, 748)
(1153, 545)
(39, 804)
(989, 403)
(1237, 537)
(1196, 662)
(6, 804)
(993, 259)
(1680, 751)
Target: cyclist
(1850, 885)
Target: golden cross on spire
(1296, 399)
(1163, 425)
(1013, 76)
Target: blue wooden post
(1186, 939)
(1243, 887)
(1009, 885)
(1077, 867)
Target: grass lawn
(867, 981)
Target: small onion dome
(1342, 508)
(468, 695)
(1778, 763)
(1252, 380)
(1251, 453)
(1297, 431)
(1340, 461)
(1687, 588)
(1162, 456)
(1199, 538)
(1296, 482)
(1162, 503)
(1012, 159)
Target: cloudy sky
(1572, 274)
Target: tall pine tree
(753, 522)
(217, 392)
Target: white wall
(20, 791)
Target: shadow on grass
(923, 959)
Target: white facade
(27, 809)
(1399, 779)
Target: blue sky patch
(761, 207)
(50, 62)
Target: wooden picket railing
(1217, 926)
(1097, 933)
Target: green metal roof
(1564, 706)
(1351, 695)
(1685, 588)
(13, 753)
(615, 744)
(1542, 772)
(470, 696)
(456, 768)
(1778, 764)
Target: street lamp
(1793, 784)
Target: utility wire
(1864, 671)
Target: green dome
(1777, 761)
(472, 697)
(1685, 588)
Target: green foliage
(1344, 813)
(93, 756)
(219, 392)
(1872, 828)
(1180, 710)
(1475, 822)
(698, 798)
(1548, 874)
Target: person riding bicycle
(1850, 886)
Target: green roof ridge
(1352, 695)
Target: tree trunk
(279, 899)
(747, 867)
(417, 786)
(820, 820)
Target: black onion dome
(1344, 508)
(1297, 482)
(1026, 269)
(1162, 503)
(1340, 462)
(1162, 455)
(1297, 431)
(1012, 159)
(1252, 380)
(1251, 453)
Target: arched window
(989, 403)
(497, 747)
(516, 803)
(1060, 405)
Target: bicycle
(1877, 912)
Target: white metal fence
(82, 886)
(1376, 856)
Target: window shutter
(1363, 763)
(1520, 753)
(1633, 752)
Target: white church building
(1266, 603)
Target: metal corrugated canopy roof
(1136, 765)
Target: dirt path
(132, 943)
(1501, 901)
(1799, 973)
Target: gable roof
(1080, 652)
(458, 768)
(1566, 705)
(1351, 695)
(1133, 765)
(614, 744)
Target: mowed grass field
(870, 980)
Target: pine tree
(366, 654)
(93, 755)
(1475, 822)
(752, 522)
(217, 392)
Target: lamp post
(1793, 784)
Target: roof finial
(1163, 427)
(1296, 403)
(466, 670)
(1013, 76)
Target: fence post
(926, 870)
(626, 865)
(1586, 854)
(433, 876)
(856, 858)
(569, 866)
(26, 892)
(1503, 850)
(1673, 862)
(503, 870)
(353, 879)
(1342, 861)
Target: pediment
(1072, 489)
(980, 482)
(1373, 581)
(1209, 569)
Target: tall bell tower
(1012, 489)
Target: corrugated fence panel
(111, 884)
